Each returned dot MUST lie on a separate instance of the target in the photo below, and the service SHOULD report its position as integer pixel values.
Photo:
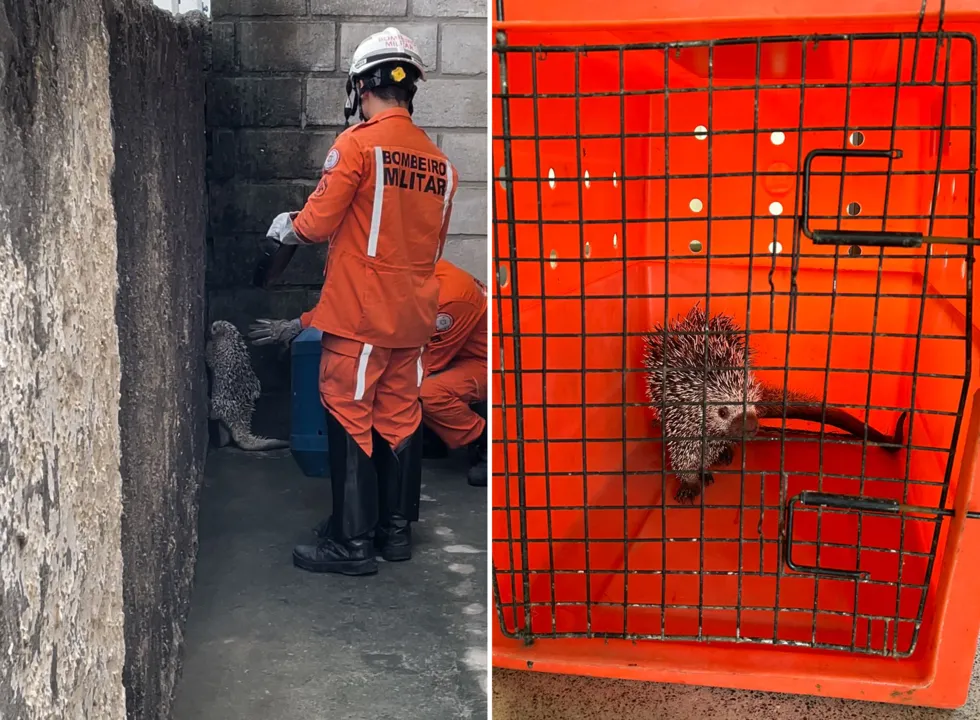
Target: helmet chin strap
(411, 97)
(353, 103)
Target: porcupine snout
(745, 423)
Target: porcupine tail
(245, 440)
(803, 407)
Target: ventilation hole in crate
(551, 178)
(775, 208)
(501, 173)
(588, 250)
(857, 138)
(854, 251)
(587, 181)
(615, 241)
(554, 259)
(695, 246)
(775, 248)
(696, 205)
(615, 182)
(778, 137)
(779, 181)
(502, 277)
(700, 132)
(853, 208)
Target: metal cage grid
(809, 539)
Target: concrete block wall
(275, 105)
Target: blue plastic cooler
(308, 439)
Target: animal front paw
(707, 479)
(727, 456)
(224, 435)
(687, 492)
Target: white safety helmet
(386, 58)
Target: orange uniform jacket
(461, 324)
(384, 202)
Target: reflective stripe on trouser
(364, 386)
(446, 398)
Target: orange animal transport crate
(808, 168)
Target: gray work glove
(266, 332)
(282, 230)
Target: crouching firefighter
(383, 204)
(456, 368)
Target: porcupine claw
(687, 492)
(727, 456)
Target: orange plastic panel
(635, 180)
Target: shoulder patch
(444, 321)
(321, 187)
(333, 157)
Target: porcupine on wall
(234, 389)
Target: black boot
(477, 474)
(344, 540)
(399, 489)
(394, 543)
(325, 529)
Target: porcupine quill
(735, 404)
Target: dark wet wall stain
(158, 69)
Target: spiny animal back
(684, 342)
(695, 348)
(235, 383)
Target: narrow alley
(265, 640)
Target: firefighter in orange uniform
(455, 360)
(456, 367)
(383, 203)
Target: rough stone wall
(158, 71)
(102, 383)
(275, 104)
(61, 610)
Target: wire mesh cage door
(814, 198)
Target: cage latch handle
(837, 502)
(864, 238)
(856, 503)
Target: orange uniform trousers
(446, 398)
(365, 386)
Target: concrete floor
(519, 695)
(265, 640)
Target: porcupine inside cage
(646, 179)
